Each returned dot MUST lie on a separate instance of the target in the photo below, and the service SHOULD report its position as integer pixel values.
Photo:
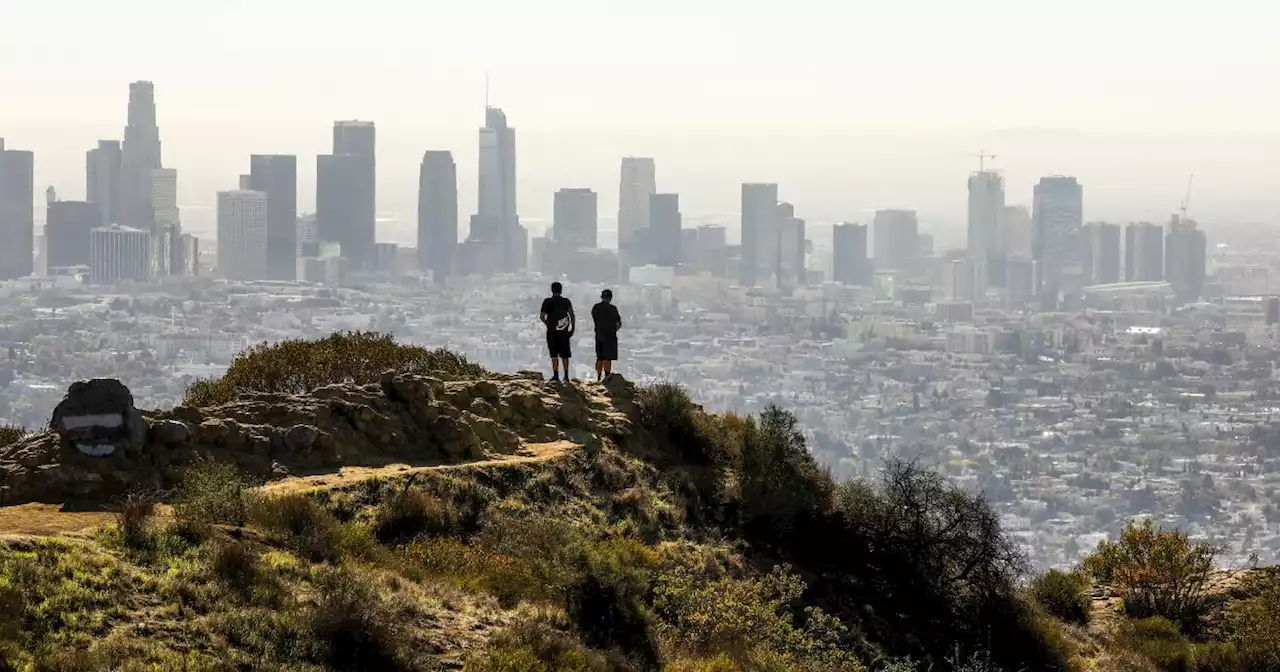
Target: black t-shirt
(607, 320)
(558, 310)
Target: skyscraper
(242, 235)
(576, 218)
(1185, 251)
(1057, 216)
(986, 207)
(276, 175)
(346, 192)
(760, 234)
(638, 183)
(1101, 253)
(791, 231)
(1015, 230)
(119, 253)
(896, 237)
(437, 213)
(67, 232)
(103, 179)
(849, 264)
(665, 226)
(1143, 252)
(496, 224)
(139, 156)
(17, 213)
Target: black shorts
(558, 344)
(607, 350)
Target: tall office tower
(896, 237)
(496, 222)
(575, 218)
(1015, 230)
(103, 179)
(849, 263)
(665, 229)
(1143, 252)
(139, 156)
(67, 231)
(760, 235)
(166, 227)
(437, 214)
(346, 192)
(639, 183)
(1057, 216)
(242, 235)
(17, 213)
(1101, 253)
(986, 208)
(791, 267)
(276, 175)
(1185, 251)
(119, 253)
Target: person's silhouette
(557, 314)
(607, 322)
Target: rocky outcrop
(415, 419)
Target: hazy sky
(848, 105)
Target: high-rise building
(276, 175)
(102, 166)
(346, 192)
(242, 235)
(1184, 259)
(896, 238)
(575, 222)
(1101, 260)
(1057, 217)
(139, 155)
(437, 213)
(665, 229)
(67, 232)
(849, 263)
(792, 270)
(118, 254)
(1143, 252)
(761, 235)
(166, 225)
(17, 213)
(638, 184)
(986, 207)
(497, 224)
(1015, 230)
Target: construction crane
(982, 159)
(1186, 198)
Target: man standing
(608, 322)
(557, 314)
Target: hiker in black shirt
(557, 314)
(608, 322)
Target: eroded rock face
(97, 418)
(102, 447)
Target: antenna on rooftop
(982, 159)
(486, 89)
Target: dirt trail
(46, 520)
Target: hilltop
(352, 503)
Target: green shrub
(357, 627)
(298, 522)
(212, 493)
(1158, 640)
(134, 523)
(666, 410)
(1156, 572)
(1218, 657)
(299, 366)
(1254, 623)
(410, 514)
(10, 434)
(607, 608)
(235, 566)
(781, 484)
(471, 567)
(1064, 595)
(538, 648)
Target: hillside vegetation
(687, 541)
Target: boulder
(97, 418)
(170, 432)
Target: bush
(538, 648)
(355, 624)
(1158, 640)
(607, 608)
(666, 410)
(1156, 572)
(780, 483)
(1063, 595)
(134, 523)
(301, 524)
(235, 567)
(212, 493)
(410, 514)
(510, 580)
(299, 366)
(1254, 624)
(10, 434)
(1218, 657)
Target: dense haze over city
(1034, 251)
